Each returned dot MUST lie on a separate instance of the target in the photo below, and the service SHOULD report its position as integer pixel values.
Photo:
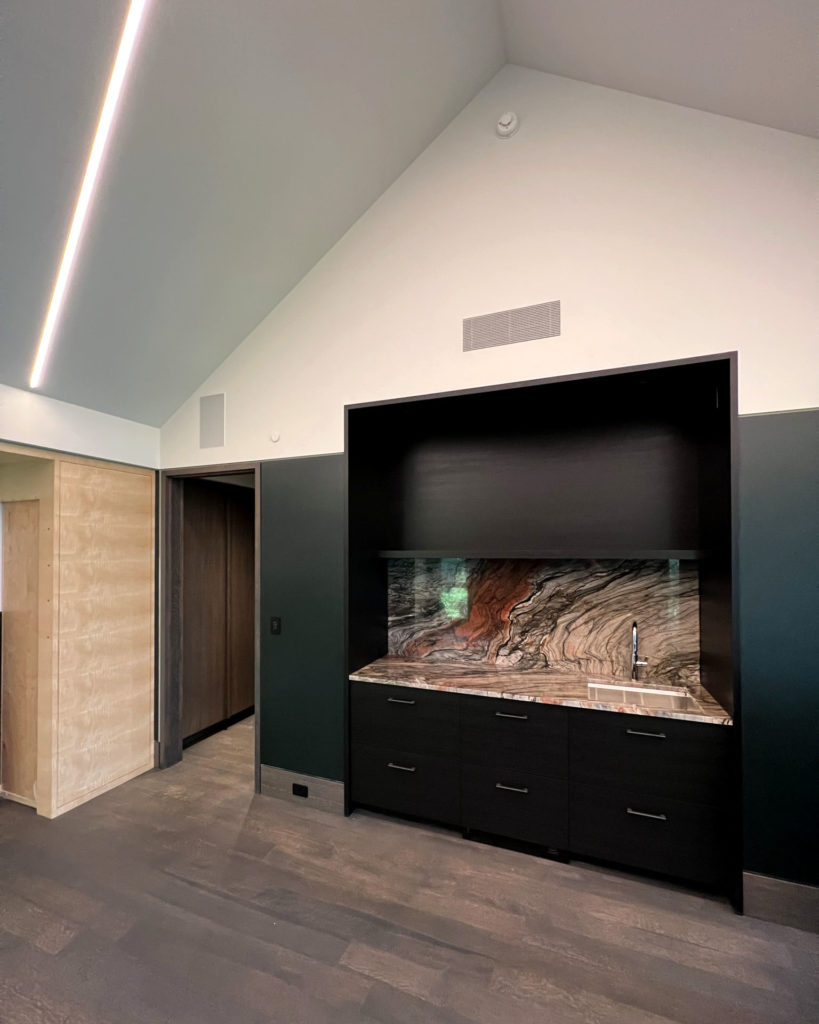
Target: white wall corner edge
(28, 418)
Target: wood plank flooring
(182, 897)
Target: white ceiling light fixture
(119, 71)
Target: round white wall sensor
(508, 124)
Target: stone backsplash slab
(570, 616)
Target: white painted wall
(32, 419)
(665, 232)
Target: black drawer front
(671, 837)
(417, 784)
(515, 804)
(404, 718)
(515, 734)
(662, 757)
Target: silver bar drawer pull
(398, 700)
(638, 732)
(645, 814)
(401, 767)
(503, 714)
(512, 789)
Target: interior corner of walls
(178, 441)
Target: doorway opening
(26, 488)
(210, 605)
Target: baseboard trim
(15, 798)
(211, 730)
(323, 794)
(773, 899)
(92, 794)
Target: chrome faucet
(636, 662)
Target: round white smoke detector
(508, 124)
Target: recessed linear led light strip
(125, 51)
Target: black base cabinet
(638, 791)
(516, 734)
(518, 805)
(652, 793)
(404, 751)
(671, 837)
(421, 785)
(513, 762)
(658, 756)
(398, 718)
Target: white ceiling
(255, 132)
(756, 60)
(252, 135)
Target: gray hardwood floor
(182, 897)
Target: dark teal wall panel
(779, 642)
(301, 714)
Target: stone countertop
(544, 686)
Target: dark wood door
(217, 603)
(204, 578)
(241, 604)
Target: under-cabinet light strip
(125, 51)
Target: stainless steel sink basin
(643, 696)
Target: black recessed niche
(627, 464)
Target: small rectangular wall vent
(212, 421)
(510, 326)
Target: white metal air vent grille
(510, 326)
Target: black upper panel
(608, 465)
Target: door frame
(28, 714)
(168, 726)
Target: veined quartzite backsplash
(565, 615)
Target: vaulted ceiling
(254, 133)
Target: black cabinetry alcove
(624, 464)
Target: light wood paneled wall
(95, 699)
(105, 629)
(18, 700)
